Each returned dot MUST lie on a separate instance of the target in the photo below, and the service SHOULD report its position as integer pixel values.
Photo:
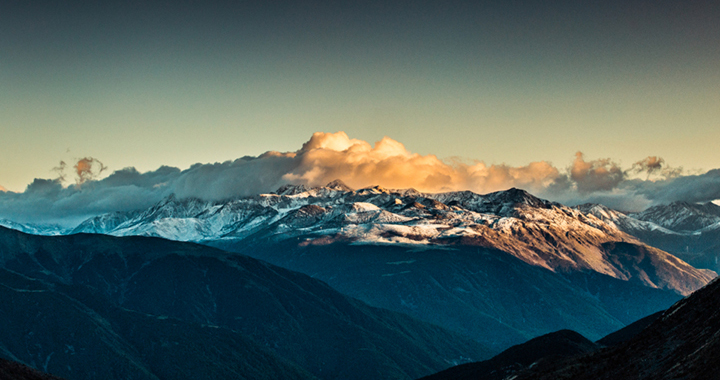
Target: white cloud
(329, 156)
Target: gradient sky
(146, 84)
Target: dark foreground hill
(684, 343)
(546, 350)
(92, 306)
(563, 343)
(10, 370)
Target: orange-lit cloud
(2, 189)
(601, 174)
(87, 169)
(329, 156)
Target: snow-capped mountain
(499, 268)
(35, 229)
(536, 231)
(682, 216)
(688, 231)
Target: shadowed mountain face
(553, 346)
(483, 293)
(681, 344)
(630, 331)
(542, 352)
(92, 306)
(10, 370)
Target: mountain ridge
(537, 231)
(145, 293)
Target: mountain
(630, 331)
(563, 343)
(500, 268)
(688, 231)
(95, 306)
(483, 293)
(536, 231)
(682, 216)
(10, 370)
(35, 229)
(544, 351)
(682, 344)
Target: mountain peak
(377, 189)
(289, 189)
(516, 197)
(681, 215)
(338, 185)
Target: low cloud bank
(329, 156)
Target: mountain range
(686, 230)
(499, 268)
(95, 306)
(538, 232)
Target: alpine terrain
(687, 230)
(500, 268)
(95, 306)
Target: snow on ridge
(537, 231)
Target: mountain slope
(206, 305)
(689, 231)
(10, 370)
(501, 268)
(682, 216)
(563, 343)
(536, 231)
(483, 293)
(47, 329)
(682, 344)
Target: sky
(577, 101)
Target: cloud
(650, 164)
(87, 169)
(60, 171)
(596, 175)
(655, 166)
(329, 156)
(691, 188)
(2, 189)
(388, 163)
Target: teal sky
(508, 82)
